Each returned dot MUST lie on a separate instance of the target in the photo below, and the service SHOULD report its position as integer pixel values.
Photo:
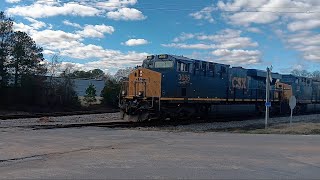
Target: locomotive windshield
(163, 64)
(147, 64)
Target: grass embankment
(295, 128)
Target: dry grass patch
(296, 128)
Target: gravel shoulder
(305, 124)
(60, 120)
(250, 126)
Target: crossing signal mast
(268, 103)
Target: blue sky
(119, 33)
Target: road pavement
(90, 153)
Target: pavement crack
(40, 156)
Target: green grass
(296, 128)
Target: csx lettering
(239, 83)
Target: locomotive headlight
(140, 93)
(123, 93)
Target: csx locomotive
(169, 86)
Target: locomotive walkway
(92, 153)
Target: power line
(141, 6)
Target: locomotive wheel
(130, 118)
(144, 116)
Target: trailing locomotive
(169, 86)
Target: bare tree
(123, 73)
(54, 65)
(305, 73)
(6, 29)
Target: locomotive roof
(191, 60)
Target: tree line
(27, 80)
(305, 73)
(23, 70)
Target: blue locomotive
(169, 86)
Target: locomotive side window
(223, 70)
(148, 64)
(182, 67)
(211, 68)
(204, 67)
(196, 67)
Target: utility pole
(268, 104)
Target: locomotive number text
(184, 78)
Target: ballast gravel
(114, 117)
(224, 126)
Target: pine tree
(26, 56)
(90, 96)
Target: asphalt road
(90, 153)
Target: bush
(110, 93)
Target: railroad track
(75, 125)
(55, 114)
(123, 124)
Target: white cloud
(35, 23)
(190, 46)
(82, 51)
(247, 12)
(96, 31)
(22, 27)
(48, 52)
(246, 18)
(56, 40)
(68, 23)
(183, 37)
(228, 46)
(204, 14)
(112, 9)
(253, 29)
(221, 35)
(115, 4)
(304, 25)
(135, 42)
(108, 64)
(71, 45)
(39, 10)
(225, 39)
(121, 60)
(128, 14)
(237, 56)
(13, 1)
(308, 43)
(299, 16)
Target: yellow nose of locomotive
(144, 83)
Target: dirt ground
(295, 128)
(104, 153)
